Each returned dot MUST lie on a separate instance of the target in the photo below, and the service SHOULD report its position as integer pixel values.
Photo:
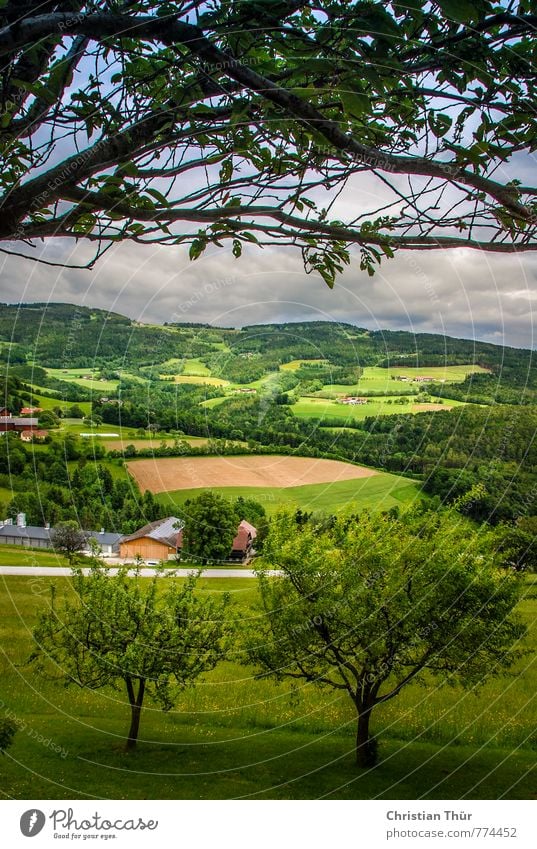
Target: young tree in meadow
(126, 631)
(210, 525)
(370, 605)
(68, 538)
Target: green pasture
(379, 492)
(194, 366)
(200, 379)
(324, 408)
(77, 376)
(49, 403)
(215, 402)
(234, 736)
(375, 379)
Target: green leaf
(439, 124)
(460, 11)
(355, 104)
(196, 248)
(158, 196)
(37, 90)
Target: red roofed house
(242, 544)
(8, 423)
(163, 539)
(29, 411)
(34, 435)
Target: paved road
(63, 571)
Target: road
(64, 571)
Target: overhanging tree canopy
(319, 125)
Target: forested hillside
(277, 388)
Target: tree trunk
(366, 746)
(136, 702)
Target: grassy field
(376, 493)
(237, 737)
(49, 403)
(200, 379)
(323, 408)
(76, 375)
(16, 555)
(215, 402)
(195, 366)
(380, 380)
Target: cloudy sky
(461, 293)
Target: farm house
(154, 541)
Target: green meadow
(382, 380)
(78, 376)
(234, 736)
(324, 408)
(379, 492)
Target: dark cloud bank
(461, 293)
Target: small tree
(121, 630)
(209, 528)
(68, 538)
(368, 606)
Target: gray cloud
(461, 292)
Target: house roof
(104, 538)
(35, 433)
(245, 534)
(17, 420)
(162, 530)
(27, 410)
(35, 532)
(30, 532)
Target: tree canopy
(366, 606)
(326, 125)
(210, 525)
(121, 630)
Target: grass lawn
(16, 555)
(234, 736)
(323, 408)
(379, 492)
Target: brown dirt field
(164, 474)
(421, 408)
